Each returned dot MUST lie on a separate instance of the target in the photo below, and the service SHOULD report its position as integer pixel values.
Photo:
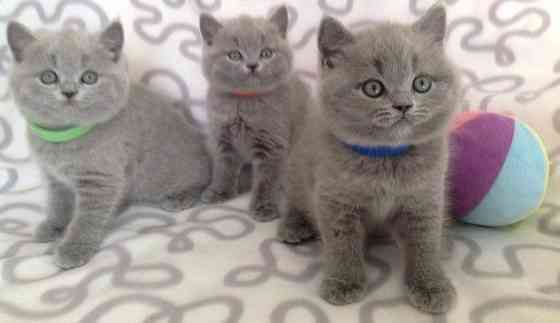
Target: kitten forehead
(69, 46)
(68, 50)
(62, 49)
(247, 31)
(392, 49)
(386, 44)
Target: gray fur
(258, 130)
(280, 19)
(343, 195)
(143, 147)
(19, 37)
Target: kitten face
(246, 54)
(388, 85)
(68, 78)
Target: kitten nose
(402, 107)
(69, 94)
(252, 66)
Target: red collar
(248, 94)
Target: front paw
(212, 196)
(180, 201)
(71, 255)
(341, 292)
(433, 294)
(47, 232)
(295, 232)
(263, 212)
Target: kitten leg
(419, 232)
(295, 225)
(264, 201)
(343, 236)
(98, 198)
(244, 179)
(225, 169)
(60, 208)
(181, 200)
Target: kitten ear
(433, 23)
(112, 38)
(209, 27)
(280, 19)
(19, 37)
(332, 37)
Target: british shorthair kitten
(101, 142)
(256, 105)
(377, 156)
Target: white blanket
(214, 264)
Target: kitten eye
(89, 77)
(422, 84)
(373, 88)
(48, 77)
(266, 53)
(235, 55)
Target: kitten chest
(62, 161)
(242, 134)
(67, 161)
(251, 124)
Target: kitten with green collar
(256, 105)
(377, 156)
(101, 141)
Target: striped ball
(499, 169)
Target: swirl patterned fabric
(214, 264)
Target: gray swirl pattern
(213, 264)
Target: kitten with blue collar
(256, 106)
(101, 142)
(377, 156)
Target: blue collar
(379, 151)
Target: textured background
(216, 265)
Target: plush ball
(499, 169)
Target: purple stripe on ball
(478, 150)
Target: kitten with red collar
(256, 105)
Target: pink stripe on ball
(479, 147)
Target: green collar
(59, 136)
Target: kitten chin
(394, 135)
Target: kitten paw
(295, 232)
(47, 232)
(180, 201)
(434, 295)
(341, 292)
(72, 255)
(264, 212)
(211, 196)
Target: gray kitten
(377, 156)
(137, 146)
(256, 105)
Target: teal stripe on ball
(520, 185)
